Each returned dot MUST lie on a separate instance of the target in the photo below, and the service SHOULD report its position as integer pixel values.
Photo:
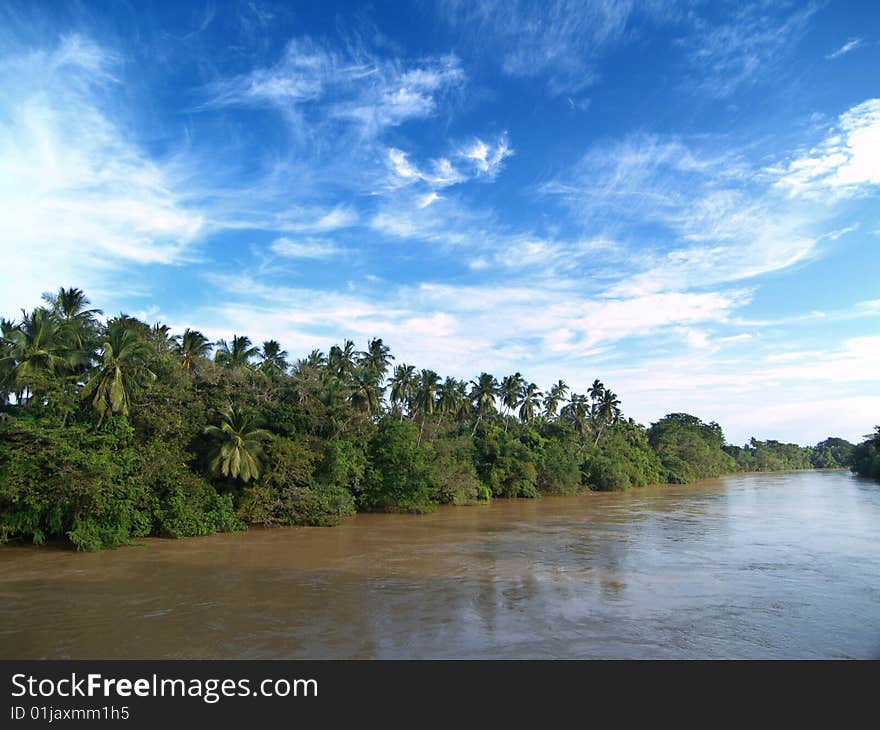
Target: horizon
(679, 202)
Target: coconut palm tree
(607, 411)
(554, 397)
(511, 391)
(160, 334)
(596, 391)
(239, 453)
(314, 361)
(483, 392)
(191, 348)
(121, 371)
(530, 402)
(450, 396)
(426, 393)
(342, 360)
(403, 387)
(377, 358)
(71, 307)
(38, 349)
(238, 354)
(465, 408)
(7, 358)
(577, 413)
(272, 358)
(366, 394)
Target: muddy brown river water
(776, 565)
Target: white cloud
(427, 199)
(847, 47)
(846, 162)
(804, 396)
(358, 87)
(77, 193)
(486, 157)
(711, 216)
(478, 159)
(442, 174)
(309, 249)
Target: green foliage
(832, 453)
(773, 456)
(454, 476)
(398, 477)
(866, 456)
(623, 459)
(343, 466)
(72, 482)
(239, 450)
(505, 464)
(607, 475)
(689, 449)
(289, 494)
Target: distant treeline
(118, 430)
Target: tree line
(113, 429)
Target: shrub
(398, 477)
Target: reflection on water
(784, 565)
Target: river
(753, 566)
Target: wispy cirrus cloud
(476, 160)
(305, 249)
(560, 39)
(728, 46)
(851, 45)
(714, 218)
(354, 86)
(77, 193)
(745, 47)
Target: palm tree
(191, 348)
(403, 385)
(366, 394)
(425, 397)
(462, 398)
(511, 391)
(342, 360)
(376, 358)
(530, 402)
(482, 394)
(554, 397)
(7, 358)
(121, 371)
(161, 336)
(239, 452)
(426, 392)
(272, 358)
(596, 391)
(607, 411)
(71, 307)
(577, 412)
(450, 396)
(37, 349)
(235, 355)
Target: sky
(677, 198)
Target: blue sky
(679, 198)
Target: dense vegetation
(116, 430)
(865, 457)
